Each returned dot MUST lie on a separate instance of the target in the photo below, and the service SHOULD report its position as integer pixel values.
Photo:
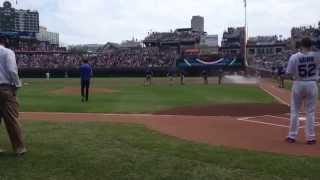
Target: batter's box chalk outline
(317, 124)
(253, 117)
(278, 117)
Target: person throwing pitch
(303, 67)
(86, 74)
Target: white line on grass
(276, 97)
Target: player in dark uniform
(170, 75)
(204, 75)
(220, 75)
(281, 75)
(181, 74)
(149, 75)
(273, 73)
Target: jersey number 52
(307, 70)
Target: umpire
(86, 74)
(9, 84)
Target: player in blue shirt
(85, 75)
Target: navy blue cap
(3, 39)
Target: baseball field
(131, 131)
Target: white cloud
(99, 21)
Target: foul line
(263, 123)
(274, 96)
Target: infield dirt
(233, 110)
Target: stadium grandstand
(183, 48)
(297, 33)
(233, 41)
(267, 53)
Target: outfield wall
(116, 72)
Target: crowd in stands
(128, 57)
(35, 47)
(52, 57)
(173, 37)
(270, 62)
(313, 32)
(300, 32)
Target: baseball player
(220, 74)
(204, 75)
(303, 67)
(85, 76)
(149, 75)
(181, 74)
(281, 74)
(48, 75)
(170, 75)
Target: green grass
(91, 150)
(132, 96)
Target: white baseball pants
(305, 92)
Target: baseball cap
(3, 38)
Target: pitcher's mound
(234, 110)
(75, 91)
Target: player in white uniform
(304, 67)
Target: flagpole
(246, 33)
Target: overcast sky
(101, 21)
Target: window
(278, 50)
(252, 51)
(260, 51)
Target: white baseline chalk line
(263, 123)
(317, 124)
(278, 117)
(253, 117)
(256, 117)
(274, 96)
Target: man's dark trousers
(85, 86)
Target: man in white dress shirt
(9, 84)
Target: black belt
(6, 86)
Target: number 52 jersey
(304, 66)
